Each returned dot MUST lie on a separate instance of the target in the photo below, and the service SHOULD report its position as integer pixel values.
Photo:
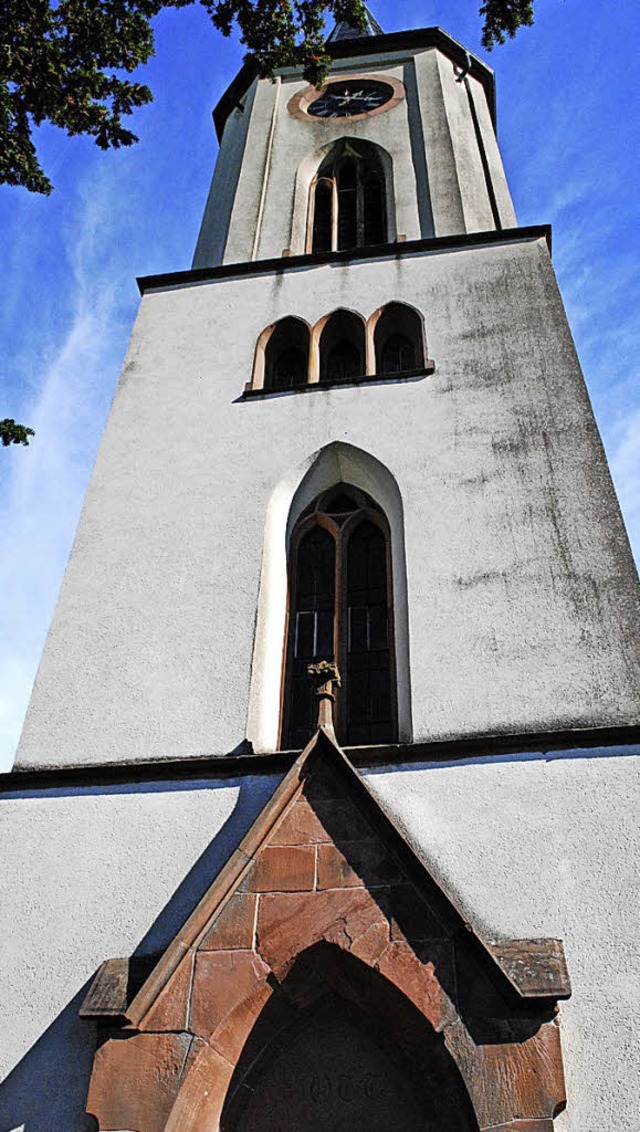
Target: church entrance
(333, 1075)
(338, 1071)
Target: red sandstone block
(290, 922)
(355, 863)
(419, 982)
(372, 944)
(222, 979)
(230, 1036)
(170, 1011)
(134, 1082)
(343, 820)
(301, 826)
(283, 868)
(201, 1099)
(233, 928)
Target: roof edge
(368, 45)
(280, 264)
(196, 767)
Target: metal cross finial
(323, 675)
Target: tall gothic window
(340, 609)
(286, 358)
(348, 201)
(398, 340)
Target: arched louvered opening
(341, 609)
(287, 355)
(399, 340)
(342, 348)
(348, 200)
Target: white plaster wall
(504, 204)
(522, 596)
(429, 136)
(88, 875)
(529, 846)
(217, 215)
(549, 847)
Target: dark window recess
(398, 354)
(368, 675)
(340, 505)
(374, 218)
(342, 348)
(313, 621)
(347, 205)
(343, 362)
(287, 355)
(290, 368)
(323, 216)
(399, 340)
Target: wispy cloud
(44, 485)
(625, 467)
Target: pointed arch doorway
(339, 1048)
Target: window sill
(336, 383)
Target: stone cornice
(283, 264)
(234, 765)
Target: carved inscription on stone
(334, 1077)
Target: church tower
(362, 312)
(350, 549)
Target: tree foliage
(502, 18)
(67, 61)
(13, 433)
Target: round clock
(348, 99)
(354, 96)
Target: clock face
(346, 99)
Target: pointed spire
(344, 30)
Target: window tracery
(340, 610)
(348, 201)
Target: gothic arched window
(286, 361)
(399, 340)
(342, 348)
(340, 609)
(348, 200)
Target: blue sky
(569, 130)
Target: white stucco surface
(521, 592)
(528, 846)
(549, 847)
(87, 875)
